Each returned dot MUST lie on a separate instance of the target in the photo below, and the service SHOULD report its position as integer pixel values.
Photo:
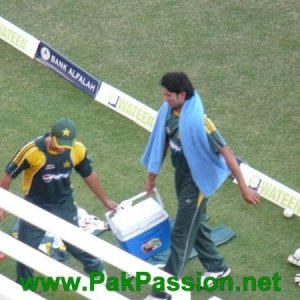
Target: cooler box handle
(129, 201)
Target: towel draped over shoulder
(209, 170)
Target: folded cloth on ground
(220, 235)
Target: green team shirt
(46, 175)
(179, 161)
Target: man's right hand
(2, 214)
(5, 181)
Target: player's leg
(207, 251)
(184, 231)
(68, 212)
(31, 236)
(205, 247)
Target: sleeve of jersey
(20, 160)
(215, 139)
(82, 162)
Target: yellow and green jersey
(46, 175)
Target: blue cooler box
(142, 229)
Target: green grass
(244, 58)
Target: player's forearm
(150, 182)
(249, 195)
(233, 165)
(94, 184)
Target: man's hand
(250, 195)
(3, 214)
(2, 256)
(5, 182)
(110, 204)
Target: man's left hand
(251, 196)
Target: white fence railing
(77, 237)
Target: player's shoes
(293, 259)
(206, 282)
(297, 279)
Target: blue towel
(209, 169)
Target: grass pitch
(243, 57)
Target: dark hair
(177, 82)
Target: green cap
(64, 133)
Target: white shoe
(295, 260)
(206, 282)
(297, 279)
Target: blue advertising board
(68, 69)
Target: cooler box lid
(133, 220)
